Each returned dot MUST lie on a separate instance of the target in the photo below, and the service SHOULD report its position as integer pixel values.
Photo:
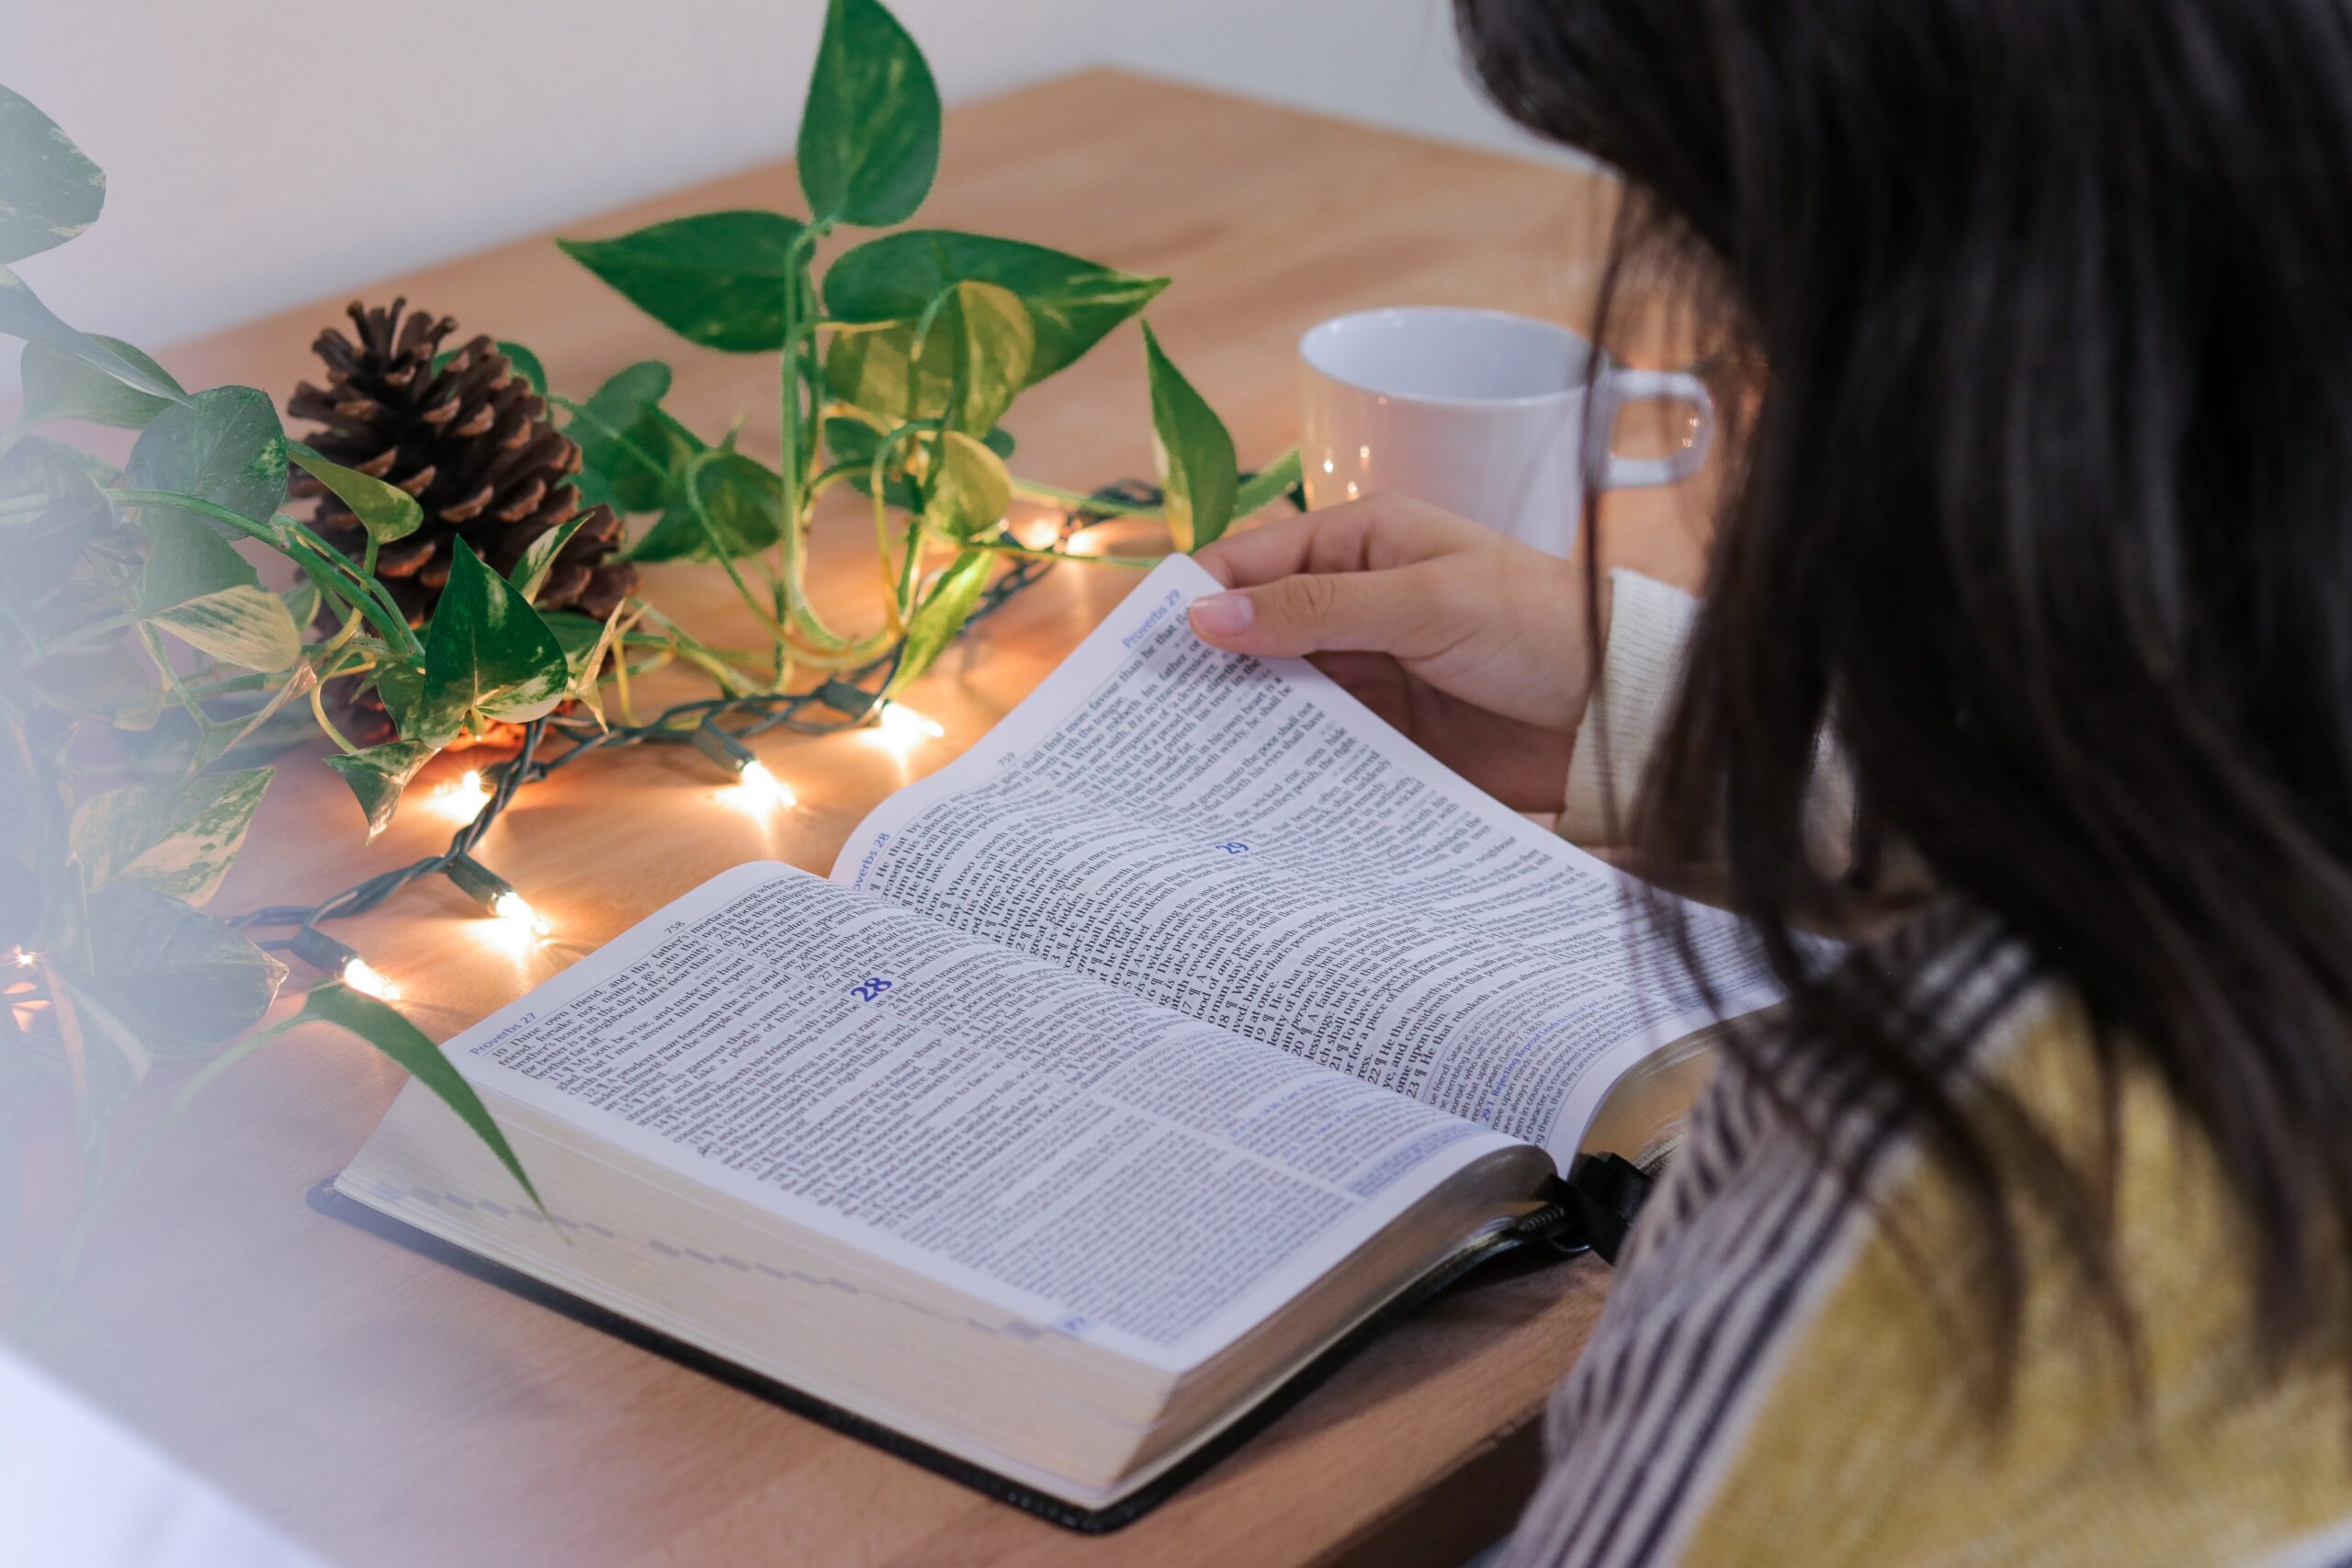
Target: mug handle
(1623, 385)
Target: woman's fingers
(1364, 535)
(1473, 616)
(1407, 612)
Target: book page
(1095, 1164)
(1239, 840)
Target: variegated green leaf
(49, 191)
(385, 511)
(1268, 485)
(869, 129)
(379, 774)
(224, 445)
(968, 486)
(1071, 303)
(1197, 466)
(59, 384)
(935, 623)
(530, 574)
(488, 654)
(242, 625)
(177, 838)
(383, 1027)
(973, 359)
(23, 315)
(202, 591)
(717, 278)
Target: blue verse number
(1233, 847)
(870, 989)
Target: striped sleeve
(1776, 1381)
(1745, 1235)
(1736, 1239)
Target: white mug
(1479, 411)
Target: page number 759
(870, 989)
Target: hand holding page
(1150, 1048)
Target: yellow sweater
(1776, 1381)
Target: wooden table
(385, 1410)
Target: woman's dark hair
(2044, 506)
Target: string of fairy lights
(717, 728)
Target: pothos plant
(143, 662)
(896, 369)
(151, 650)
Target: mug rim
(1522, 399)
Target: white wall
(260, 153)
(1389, 62)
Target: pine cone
(472, 442)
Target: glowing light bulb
(323, 952)
(361, 977)
(899, 728)
(497, 895)
(899, 720)
(758, 790)
(463, 801)
(1037, 533)
(515, 910)
(23, 958)
(765, 785)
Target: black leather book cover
(1552, 1225)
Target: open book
(1125, 1067)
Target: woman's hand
(1472, 644)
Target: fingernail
(1223, 615)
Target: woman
(2026, 1240)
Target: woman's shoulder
(1793, 1368)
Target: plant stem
(197, 503)
(114, 623)
(227, 685)
(719, 546)
(789, 380)
(1014, 547)
(692, 650)
(318, 711)
(620, 689)
(1078, 501)
(893, 585)
(392, 623)
(909, 567)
